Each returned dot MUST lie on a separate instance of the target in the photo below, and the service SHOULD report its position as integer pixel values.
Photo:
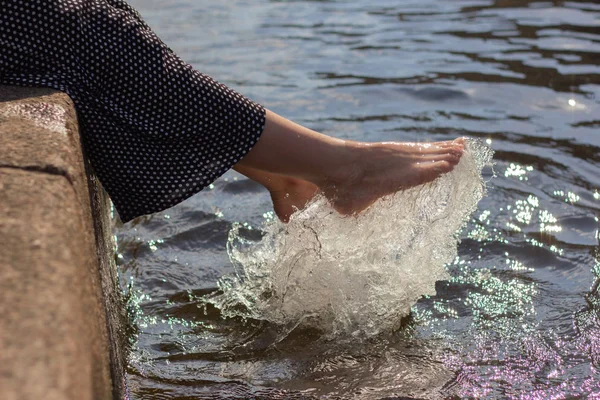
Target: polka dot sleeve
(155, 130)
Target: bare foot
(290, 195)
(368, 171)
(384, 168)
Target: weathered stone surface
(61, 316)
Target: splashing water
(355, 276)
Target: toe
(436, 148)
(430, 171)
(444, 166)
(451, 156)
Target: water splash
(355, 276)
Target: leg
(352, 175)
(157, 131)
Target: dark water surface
(519, 317)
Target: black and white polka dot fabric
(155, 130)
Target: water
(352, 278)
(513, 315)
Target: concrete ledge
(61, 313)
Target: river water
(514, 315)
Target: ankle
(283, 184)
(348, 169)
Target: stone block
(61, 315)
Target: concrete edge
(62, 316)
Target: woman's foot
(352, 175)
(381, 169)
(378, 169)
(384, 168)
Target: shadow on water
(518, 316)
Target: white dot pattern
(155, 130)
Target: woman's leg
(157, 131)
(352, 175)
